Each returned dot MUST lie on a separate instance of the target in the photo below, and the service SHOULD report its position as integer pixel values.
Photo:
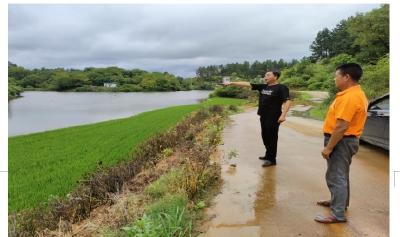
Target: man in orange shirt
(342, 128)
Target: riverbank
(146, 153)
(50, 163)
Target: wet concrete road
(280, 200)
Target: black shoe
(268, 163)
(263, 158)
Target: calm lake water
(41, 111)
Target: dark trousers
(269, 134)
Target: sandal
(328, 219)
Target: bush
(13, 89)
(341, 59)
(232, 92)
(144, 227)
(233, 108)
(296, 82)
(315, 86)
(375, 80)
(319, 112)
(167, 204)
(164, 224)
(164, 184)
(84, 88)
(130, 88)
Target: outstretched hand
(226, 83)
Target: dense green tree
(371, 34)
(16, 72)
(375, 80)
(362, 39)
(63, 80)
(148, 83)
(213, 74)
(31, 81)
(13, 89)
(342, 41)
(321, 47)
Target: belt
(347, 136)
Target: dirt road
(280, 200)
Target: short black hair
(354, 70)
(277, 74)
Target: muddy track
(280, 201)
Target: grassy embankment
(173, 204)
(50, 164)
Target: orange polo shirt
(350, 105)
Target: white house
(110, 84)
(226, 79)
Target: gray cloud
(173, 38)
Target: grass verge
(319, 111)
(301, 98)
(94, 184)
(176, 200)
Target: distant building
(110, 84)
(226, 79)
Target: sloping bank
(97, 162)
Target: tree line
(364, 36)
(363, 39)
(243, 70)
(93, 79)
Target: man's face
(269, 77)
(341, 80)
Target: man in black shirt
(272, 96)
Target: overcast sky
(172, 38)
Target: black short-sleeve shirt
(271, 99)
